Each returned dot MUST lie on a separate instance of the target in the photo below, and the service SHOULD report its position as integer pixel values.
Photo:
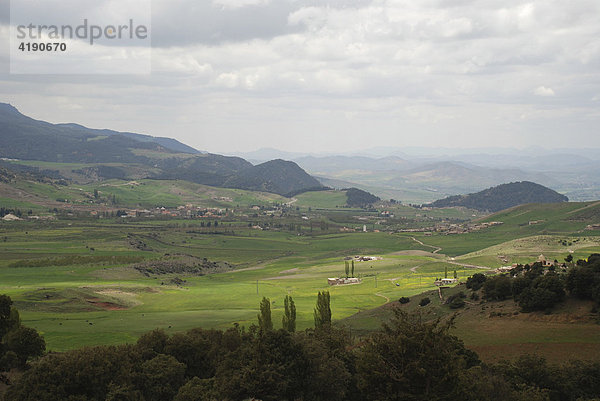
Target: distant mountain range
(420, 175)
(113, 154)
(503, 197)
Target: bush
(475, 282)
(424, 301)
(497, 288)
(456, 303)
(543, 293)
(404, 300)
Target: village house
(445, 281)
(342, 280)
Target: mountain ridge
(24, 138)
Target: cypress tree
(322, 311)
(347, 267)
(352, 267)
(289, 317)
(264, 317)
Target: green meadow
(74, 279)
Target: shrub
(543, 293)
(475, 282)
(497, 288)
(456, 303)
(404, 300)
(424, 301)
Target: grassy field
(120, 193)
(81, 288)
(108, 302)
(100, 301)
(321, 199)
(497, 330)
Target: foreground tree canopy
(17, 343)
(408, 359)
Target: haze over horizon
(343, 76)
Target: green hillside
(561, 219)
(104, 154)
(503, 197)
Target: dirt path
(383, 296)
(583, 208)
(414, 269)
(437, 248)
(468, 265)
(245, 269)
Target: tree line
(409, 358)
(536, 287)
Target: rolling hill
(277, 176)
(94, 154)
(503, 197)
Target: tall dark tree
(26, 343)
(352, 267)
(5, 304)
(413, 360)
(347, 268)
(289, 316)
(265, 323)
(322, 312)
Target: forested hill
(503, 197)
(359, 198)
(277, 176)
(22, 137)
(111, 154)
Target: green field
(81, 289)
(144, 193)
(121, 303)
(321, 199)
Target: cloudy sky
(315, 76)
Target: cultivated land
(74, 279)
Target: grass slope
(497, 330)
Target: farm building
(342, 280)
(445, 281)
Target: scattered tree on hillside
(543, 293)
(289, 316)
(264, 317)
(497, 288)
(322, 313)
(475, 282)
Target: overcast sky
(313, 76)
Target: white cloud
(543, 91)
(440, 72)
(233, 4)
